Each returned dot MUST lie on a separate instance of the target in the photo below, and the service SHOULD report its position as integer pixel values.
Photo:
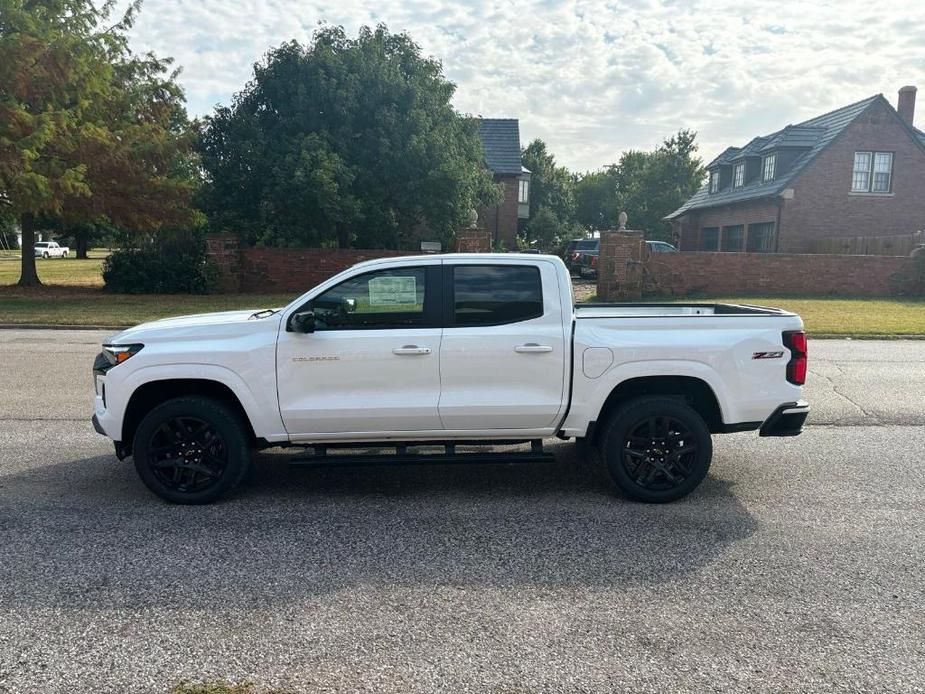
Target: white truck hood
(183, 325)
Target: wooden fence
(896, 245)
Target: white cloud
(592, 78)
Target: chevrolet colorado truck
(448, 352)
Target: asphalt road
(796, 566)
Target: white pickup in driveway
(449, 350)
(49, 249)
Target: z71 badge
(767, 355)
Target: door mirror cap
(302, 322)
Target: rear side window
(495, 294)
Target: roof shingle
(501, 142)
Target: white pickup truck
(417, 354)
(49, 249)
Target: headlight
(116, 354)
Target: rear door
(372, 364)
(503, 353)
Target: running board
(322, 458)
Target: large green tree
(89, 131)
(650, 185)
(552, 197)
(347, 141)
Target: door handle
(411, 349)
(532, 347)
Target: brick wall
(473, 241)
(740, 274)
(757, 212)
(501, 220)
(297, 270)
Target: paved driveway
(797, 566)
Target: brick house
(857, 171)
(501, 142)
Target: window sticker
(392, 291)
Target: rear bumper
(786, 420)
(98, 426)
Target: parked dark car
(581, 255)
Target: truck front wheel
(656, 449)
(192, 450)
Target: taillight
(575, 255)
(795, 341)
(593, 261)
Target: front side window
(733, 239)
(738, 179)
(770, 162)
(495, 294)
(523, 193)
(714, 181)
(709, 239)
(383, 299)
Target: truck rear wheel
(656, 449)
(192, 450)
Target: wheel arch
(149, 395)
(694, 391)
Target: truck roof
(485, 257)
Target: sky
(591, 78)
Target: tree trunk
(28, 277)
(81, 240)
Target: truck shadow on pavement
(86, 532)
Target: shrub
(170, 263)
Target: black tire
(64, 255)
(657, 449)
(45, 255)
(192, 450)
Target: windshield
(589, 245)
(41, 244)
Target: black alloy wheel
(659, 453)
(187, 454)
(656, 448)
(192, 450)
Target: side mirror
(350, 305)
(302, 322)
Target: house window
(883, 172)
(860, 178)
(738, 177)
(770, 162)
(760, 238)
(714, 181)
(873, 172)
(733, 239)
(709, 239)
(523, 192)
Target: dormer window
(738, 175)
(768, 166)
(714, 181)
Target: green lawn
(62, 271)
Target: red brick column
(620, 265)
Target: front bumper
(786, 420)
(98, 426)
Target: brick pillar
(473, 241)
(620, 265)
(223, 250)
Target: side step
(401, 456)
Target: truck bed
(667, 310)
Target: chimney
(905, 106)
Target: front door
(373, 362)
(504, 353)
